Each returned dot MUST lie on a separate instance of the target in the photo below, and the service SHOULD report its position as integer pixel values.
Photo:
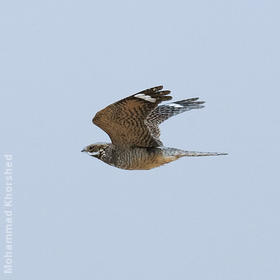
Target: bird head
(96, 150)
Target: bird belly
(141, 158)
(156, 162)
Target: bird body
(141, 158)
(132, 124)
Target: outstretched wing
(126, 120)
(166, 111)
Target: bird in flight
(133, 127)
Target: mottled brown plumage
(132, 125)
(124, 121)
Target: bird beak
(83, 150)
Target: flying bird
(133, 127)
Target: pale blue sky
(197, 218)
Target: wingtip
(157, 88)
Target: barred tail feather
(181, 153)
(202, 154)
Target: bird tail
(202, 154)
(181, 153)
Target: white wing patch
(175, 105)
(145, 97)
